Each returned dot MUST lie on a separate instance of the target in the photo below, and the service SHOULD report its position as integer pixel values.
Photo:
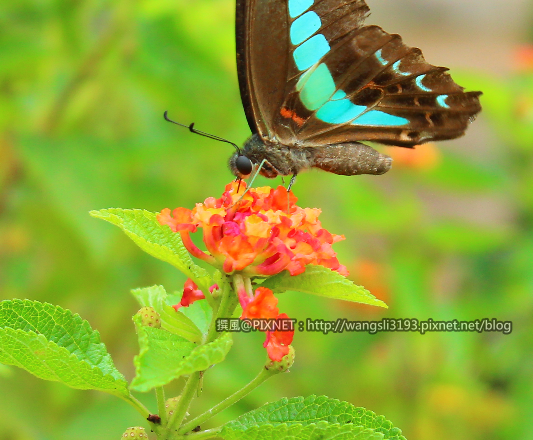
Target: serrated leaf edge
(92, 368)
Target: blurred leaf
(509, 105)
(164, 357)
(458, 174)
(455, 236)
(155, 239)
(54, 344)
(5, 371)
(324, 416)
(65, 170)
(321, 281)
(171, 320)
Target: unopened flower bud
(135, 433)
(171, 405)
(149, 317)
(285, 363)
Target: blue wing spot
(298, 7)
(338, 112)
(339, 94)
(375, 117)
(396, 68)
(304, 27)
(380, 58)
(310, 52)
(420, 85)
(441, 100)
(318, 87)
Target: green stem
(238, 283)
(145, 412)
(248, 287)
(263, 375)
(208, 296)
(209, 433)
(185, 400)
(160, 395)
(228, 302)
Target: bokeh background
(448, 233)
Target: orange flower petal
(262, 306)
(277, 342)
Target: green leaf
(54, 344)
(200, 313)
(160, 352)
(321, 281)
(171, 320)
(316, 417)
(313, 431)
(156, 239)
(164, 357)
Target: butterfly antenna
(250, 184)
(201, 133)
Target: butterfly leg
(250, 184)
(293, 179)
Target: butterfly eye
(244, 165)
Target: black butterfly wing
(379, 90)
(263, 55)
(314, 75)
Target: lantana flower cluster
(261, 234)
(257, 233)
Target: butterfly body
(315, 82)
(281, 160)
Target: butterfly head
(240, 165)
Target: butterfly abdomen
(351, 159)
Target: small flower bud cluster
(285, 363)
(135, 433)
(171, 405)
(149, 317)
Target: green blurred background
(448, 233)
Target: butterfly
(315, 81)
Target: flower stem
(160, 395)
(145, 412)
(225, 310)
(209, 433)
(248, 287)
(263, 375)
(243, 288)
(185, 400)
